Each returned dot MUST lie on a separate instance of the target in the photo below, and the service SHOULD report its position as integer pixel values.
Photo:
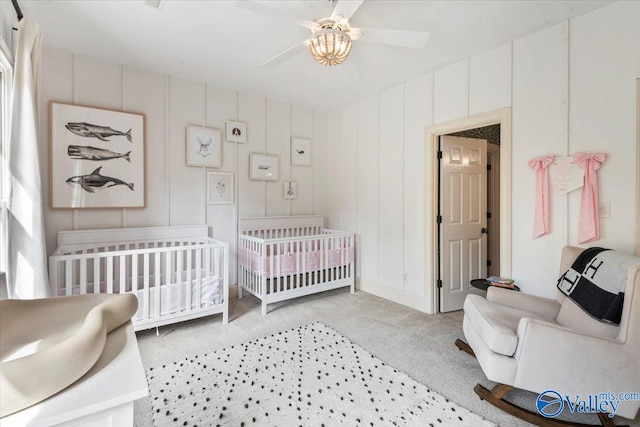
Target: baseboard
(396, 295)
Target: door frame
(638, 172)
(493, 185)
(501, 117)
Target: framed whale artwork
(96, 157)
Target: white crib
(177, 273)
(280, 258)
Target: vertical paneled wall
(557, 82)
(368, 235)
(540, 90)
(391, 180)
(417, 114)
(389, 173)
(603, 112)
(175, 192)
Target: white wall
(175, 192)
(540, 120)
(578, 75)
(368, 169)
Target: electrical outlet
(404, 277)
(604, 209)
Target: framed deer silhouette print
(204, 147)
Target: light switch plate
(604, 209)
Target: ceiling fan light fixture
(330, 46)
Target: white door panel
(463, 204)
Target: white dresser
(101, 398)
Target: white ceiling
(221, 44)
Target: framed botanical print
(290, 190)
(220, 188)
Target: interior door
(463, 223)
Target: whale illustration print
(93, 153)
(89, 130)
(95, 180)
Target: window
(5, 109)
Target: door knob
(484, 231)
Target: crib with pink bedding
(280, 258)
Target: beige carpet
(418, 344)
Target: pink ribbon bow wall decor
(541, 217)
(589, 222)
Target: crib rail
(173, 280)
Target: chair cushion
(573, 317)
(495, 323)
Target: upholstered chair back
(573, 317)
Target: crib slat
(68, 275)
(198, 278)
(323, 257)
(297, 249)
(305, 274)
(110, 274)
(279, 277)
(123, 274)
(207, 261)
(351, 266)
(134, 273)
(145, 268)
(179, 268)
(189, 277)
(167, 268)
(157, 284)
(274, 270)
(83, 276)
(97, 261)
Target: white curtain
(27, 265)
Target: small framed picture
(236, 132)
(300, 151)
(263, 167)
(220, 188)
(290, 190)
(204, 147)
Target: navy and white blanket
(596, 282)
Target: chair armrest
(551, 356)
(545, 307)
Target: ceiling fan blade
(286, 55)
(274, 13)
(346, 8)
(404, 38)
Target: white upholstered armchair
(537, 344)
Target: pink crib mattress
(309, 261)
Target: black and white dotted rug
(307, 376)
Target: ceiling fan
(331, 35)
